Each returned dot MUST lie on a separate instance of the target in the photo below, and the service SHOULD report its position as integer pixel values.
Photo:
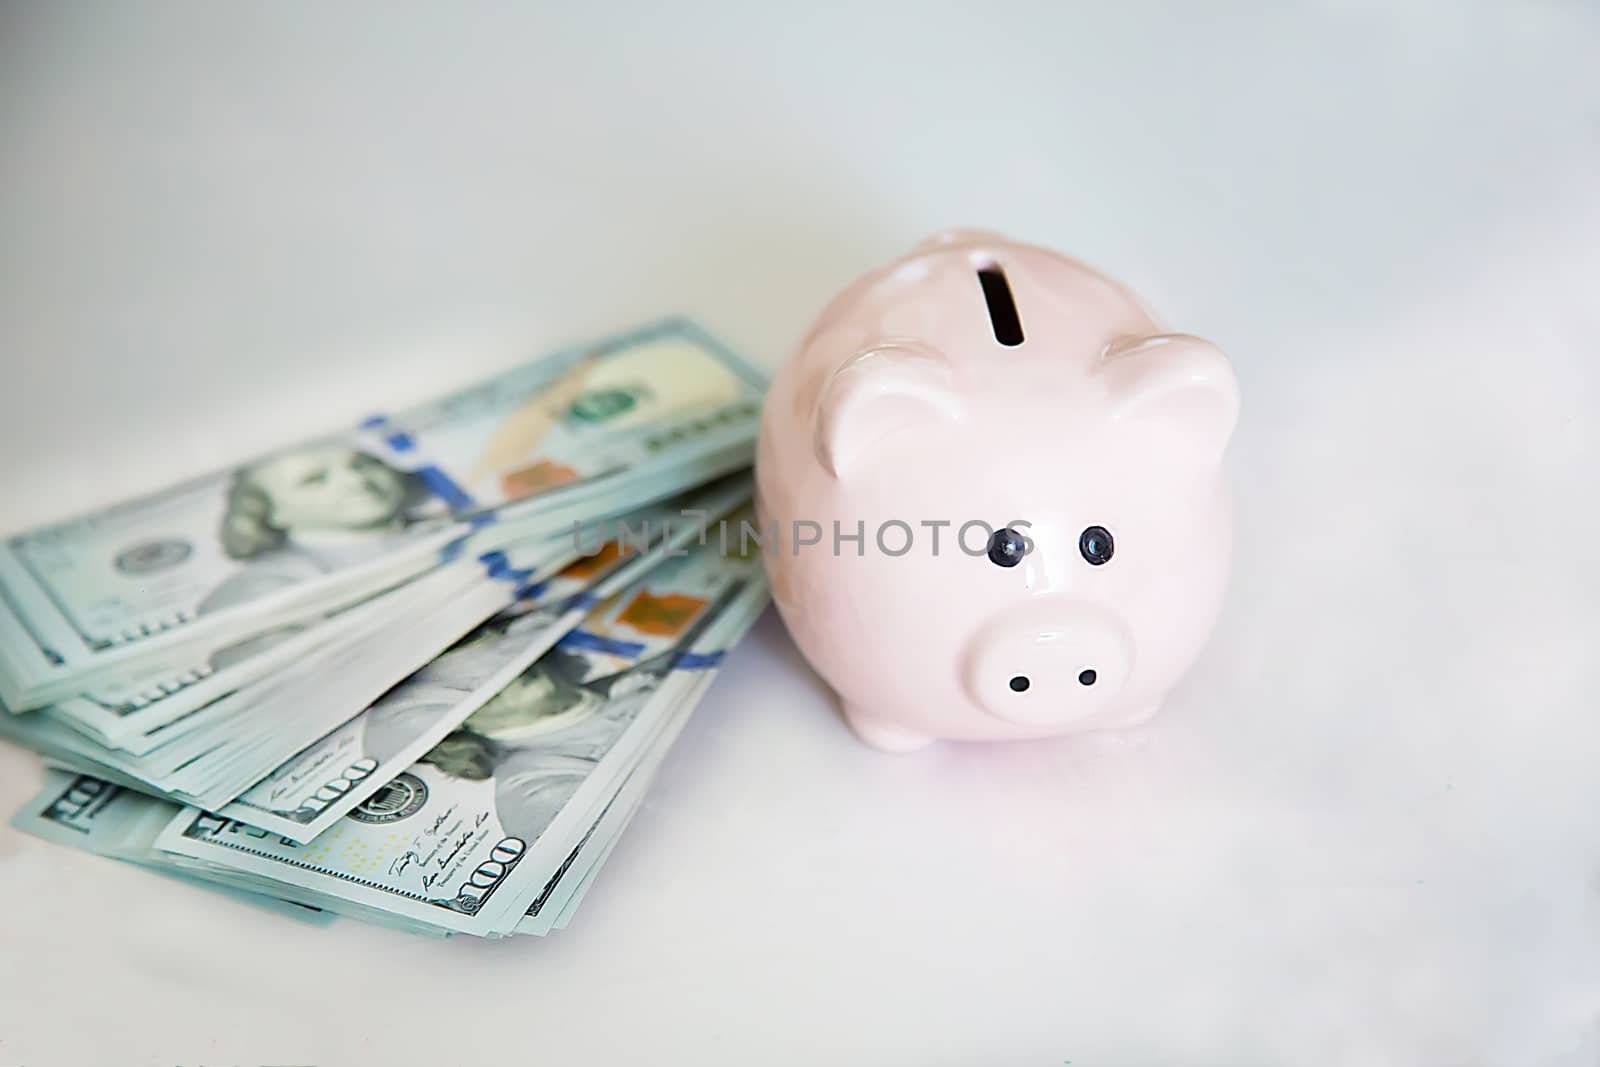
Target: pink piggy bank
(991, 492)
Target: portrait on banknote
(392, 722)
(541, 735)
(309, 512)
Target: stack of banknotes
(421, 672)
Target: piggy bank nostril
(1087, 677)
(1019, 684)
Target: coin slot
(1003, 317)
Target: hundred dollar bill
(468, 836)
(559, 898)
(256, 729)
(282, 717)
(150, 718)
(130, 713)
(320, 784)
(93, 816)
(297, 711)
(134, 711)
(554, 906)
(652, 412)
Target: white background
(1365, 831)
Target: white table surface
(1365, 831)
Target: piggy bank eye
(1006, 548)
(1096, 545)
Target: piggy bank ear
(881, 391)
(1180, 384)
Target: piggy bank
(990, 490)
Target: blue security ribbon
(442, 486)
(533, 590)
(596, 643)
(696, 661)
(438, 482)
(580, 600)
(497, 565)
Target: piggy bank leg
(882, 735)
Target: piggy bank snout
(1052, 662)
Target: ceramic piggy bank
(990, 485)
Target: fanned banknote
(308, 529)
(84, 813)
(94, 816)
(468, 836)
(560, 897)
(246, 735)
(385, 673)
(321, 783)
(250, 732)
